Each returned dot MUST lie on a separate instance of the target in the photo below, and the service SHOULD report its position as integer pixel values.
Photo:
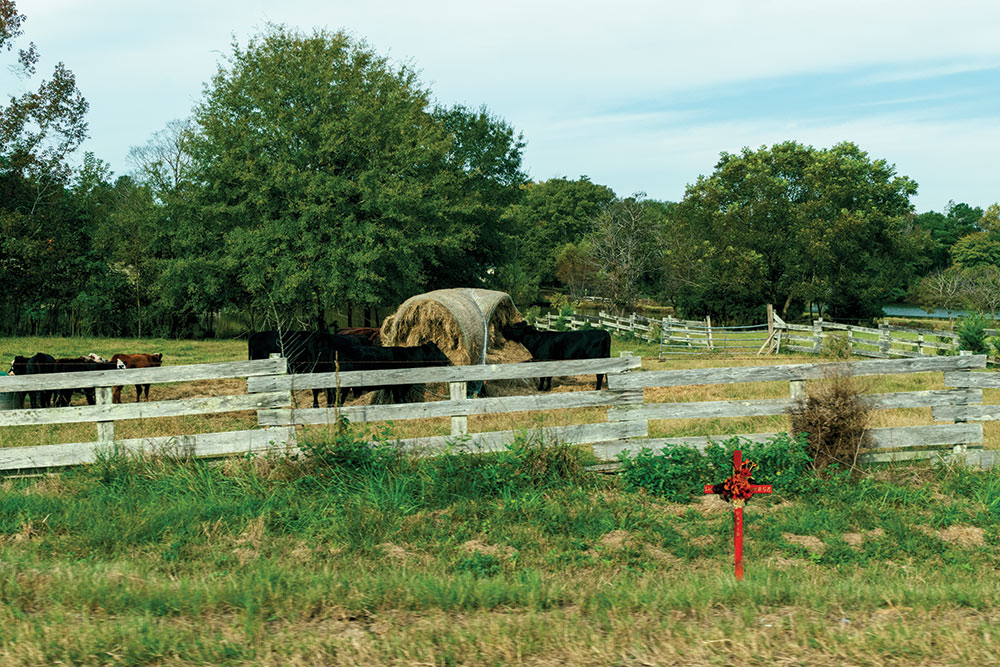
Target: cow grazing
(374, 358)
(315, 352)
(140, 360)
(63, 397)
(305, 352)
(560, 346)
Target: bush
(836, 346)
(675, 473)
(678, 472)
(835, 419)
(783, 461)
(971, 331)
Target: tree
(824, 226)
(39, 128)
(947, 289)
(575, 268)
(979, 249)
(327, 178)
(164, 163)
(549, 215)
(983, 287)
(45, 253)
(990, 222)
(623, 246)
(947, 228)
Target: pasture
(362, 557)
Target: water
(905, 310)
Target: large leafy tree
(826, 226)
(945, 229)
(550, 215)
(328, 180)
(45, 252)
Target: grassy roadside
(362, 557)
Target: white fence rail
(625, 428)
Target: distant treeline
(315, 176)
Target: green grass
(361, 557)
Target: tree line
(317, 176)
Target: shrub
(836, 346)
(971, 331)
(675, 473)
(533, 462)
(835, 419)
(783, 461)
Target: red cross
(738, 489)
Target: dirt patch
(783, 563)
(853, 539)
(662, 557)
(253, 533)
(811, 543)
(857, 539)
(711, 505)
(963, 536)
(616, 539)
(480, 547)
(394, 551)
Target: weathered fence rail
(270, 394)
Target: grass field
(361, 557)
(517, 559)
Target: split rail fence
(625, 428)
(676, 336)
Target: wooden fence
(625, 428)
(676, 336)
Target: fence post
(797, 389)
(663, 332)
(459, 425)
(850, 339)
(884, 339)
(105, 429)
(708, 330)
(818, 335)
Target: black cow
(306, 352)
(374, 358)
(39, 363)
(81, 365)
(560, 346)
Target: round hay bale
(465, 323)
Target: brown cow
(136, 361)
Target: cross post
(738, 489)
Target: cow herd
(46, 363)
(354, 349)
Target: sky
(642, 96)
